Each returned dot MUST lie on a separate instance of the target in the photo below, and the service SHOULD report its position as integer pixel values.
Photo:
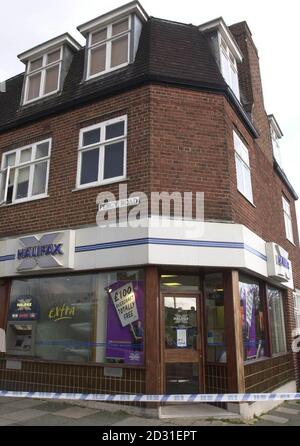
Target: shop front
(152, 327)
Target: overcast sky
(274, 26)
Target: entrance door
(182, 344)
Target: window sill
(106, 73)
(24, 201)
(265, 358)
(88, 186)
(34, 359)
(41, 99)
(292, 243)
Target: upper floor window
(102, 153)
(276, 147)
(43, 76)
(297, 309)
(24, 173)
(108, 48)
(243, 172)
(287, 220)
(229, 67)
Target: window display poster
(24, 308)
(125, 323)
(247, 295)
(181, 337)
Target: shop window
(108, 48)
(102, 153)
(78, 318)
(215, 323)
(276, 317)
(24, 173)
(179, 282)
(253, 319)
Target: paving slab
(138, 421)
(54, 406)
(275, 419)
(75, 412)
(287, 410)
(24, 415)
(45, 420)
(292, 405)
(5, 422)
(23, 404)
(6, 399)
(99, 419)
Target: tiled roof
(168, 52)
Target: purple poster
(125, 323)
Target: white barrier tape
(197, 398)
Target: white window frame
(101, 145)
(231, 67)
(242, 155)
(31, 164)
(288, 224)
(276, 147)
(43, 69)
(108, 44)
(297, 309)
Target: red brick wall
(251, 85)
(64, 208)
(188, 147)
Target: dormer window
(42, 77)
(112, 39)
(108, 48)
(276, 135)
(46, 67)
(229, 68)
(225, 50)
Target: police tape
(131, 398)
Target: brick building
(161, 107)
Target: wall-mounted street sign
(279, 265)
(46, 251)
(123, 203)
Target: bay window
(108, 48)
(43, 76)
(24, 173)
(102, 153)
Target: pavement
(33, 412)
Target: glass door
(182, 346)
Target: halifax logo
(40, 252)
